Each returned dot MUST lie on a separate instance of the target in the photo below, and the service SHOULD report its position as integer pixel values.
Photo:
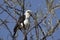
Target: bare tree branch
(8, 12)
(51, 31)
(6, 26)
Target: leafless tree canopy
(42, 24)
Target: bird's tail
(15, 30)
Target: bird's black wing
(20, 20)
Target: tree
(44, 23)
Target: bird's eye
(28, 12)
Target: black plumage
(20, 20)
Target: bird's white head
(28, 13)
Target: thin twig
(6, 26)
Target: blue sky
(35, 5)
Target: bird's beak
(31, 14)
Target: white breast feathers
(26, 22)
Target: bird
(23, 21)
